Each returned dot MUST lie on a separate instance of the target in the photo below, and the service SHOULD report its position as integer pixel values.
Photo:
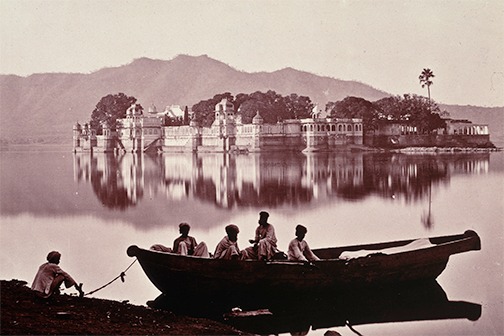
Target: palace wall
(178, 139)
(139, 133)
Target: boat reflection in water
(275, 313)
(271, 180)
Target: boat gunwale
(450, 240)
(455, 240)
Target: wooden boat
(380, 264)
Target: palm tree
(425, 79)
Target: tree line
(270, 105)
(417, 111)
(410, 109)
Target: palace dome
(257, 119)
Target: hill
(45, 106)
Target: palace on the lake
(147, 132)
(144, 132)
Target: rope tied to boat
(121, 276)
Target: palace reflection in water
(270, 180)
(81, 203)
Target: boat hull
(175, 275)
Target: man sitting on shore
(50, 277)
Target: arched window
(333, 128)
(340, 128)
(349, 128)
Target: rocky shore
(24, 314)
(441, 150)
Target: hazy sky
(381, 43)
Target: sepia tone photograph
(255, 167)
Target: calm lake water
(91, 208)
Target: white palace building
(139, 132)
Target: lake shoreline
(22, 313)
(446, 150)
(48, 147)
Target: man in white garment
(265, 241)
(298, 247)
(50, 277)
(184, 244)
(228, 246)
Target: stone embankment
(441, 150)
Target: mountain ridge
(45, 106)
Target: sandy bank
(23, 313)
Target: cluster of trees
(109, 109)
(415, 110)
(271, 106)
(411, 109)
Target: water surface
(91, 208)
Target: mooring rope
(121, 275)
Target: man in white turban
(50, 277)
(228, 246)
(185, 244)
(298, 247)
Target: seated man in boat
(185, 244)
(265, 241)
(298, 247)
(50, 277)
(228, 246)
